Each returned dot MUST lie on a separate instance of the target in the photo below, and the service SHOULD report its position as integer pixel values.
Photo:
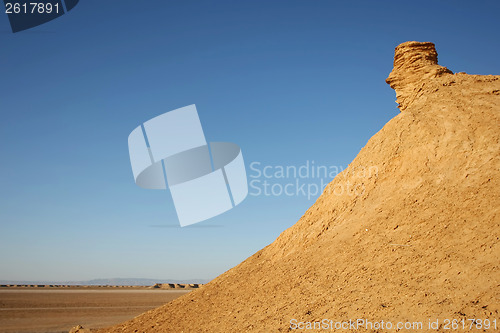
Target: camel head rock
(415, 63)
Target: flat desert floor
(44, 311)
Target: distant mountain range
(109, 282)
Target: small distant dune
(176, 286)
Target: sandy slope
(410, 231)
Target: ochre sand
(46, 310)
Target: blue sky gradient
(288, 81)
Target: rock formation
(176, 286)
(79, 329)
(415, 64)
(415, 235)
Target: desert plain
(51, 309)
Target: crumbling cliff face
(416, 236)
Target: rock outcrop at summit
(407, 233)
(415, 64)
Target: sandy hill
(408, 232)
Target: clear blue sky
(289, 81)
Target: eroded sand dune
(416, 238)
